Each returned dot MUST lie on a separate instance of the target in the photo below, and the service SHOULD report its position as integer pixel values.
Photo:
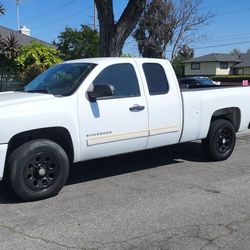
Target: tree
(235, 52)
(166, 23)
(9, 49)
(114, 34)
(2, 10)
(155, 28)
(184, 53)
(37, 53)
(81, 43)
(35, 58)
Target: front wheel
(38, 169)
(220, 140)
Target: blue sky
(227, 30)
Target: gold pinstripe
(133, 135)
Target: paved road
(170, 198)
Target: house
(23, 36)
(218, 64)
(242, 68)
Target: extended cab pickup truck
(90, 108)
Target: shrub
(31, 72)
(231, 78)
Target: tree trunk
(114, 34)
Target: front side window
(156, 78)
(195, 66)
(122, 77)
(62, 79)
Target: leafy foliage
(37, 53)
(168, 23)
(232, 78)
(155, 28)
(184, 53)
(127, 55)
(81, 43)
(235, 52)
(2, 10)
(9, 48)
(34, 58)
(31, 72)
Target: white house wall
(247, 71)
(206, 69)
(210, 69)
(220, 71)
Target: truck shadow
(132, 162)
(122, 164)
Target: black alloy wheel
(224, 140)
(38, 169)
(220, 141)
(41, 171)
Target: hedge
(231, 78)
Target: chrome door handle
(136, 108)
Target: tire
(38, 169)
(220, 140)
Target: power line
(230, 39)
(34, 18)
(220, 4)
(61, 19)
(221, 45)
(233, 11)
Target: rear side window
(156, 78)
(122, 77)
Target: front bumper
(3, 152)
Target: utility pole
(17, 14)
(94, 16)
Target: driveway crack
(13, 230)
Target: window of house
(224, 65)
(195, 66)
(122, 77)
(156, 78)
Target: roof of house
(22, 39)
(245, 61)
(215, 57)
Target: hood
(16, 98)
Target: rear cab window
(156, 78)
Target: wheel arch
(232, 114)
(59, 135)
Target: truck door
(117, 124)
(164, 104)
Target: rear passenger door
(164, 104)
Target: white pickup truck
(90, 108)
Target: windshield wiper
(46, 91)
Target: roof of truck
(98, 60)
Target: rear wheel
(220, 140)
(38, 169)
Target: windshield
(61, 79)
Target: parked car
(196, 82)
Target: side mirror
(102, 90)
